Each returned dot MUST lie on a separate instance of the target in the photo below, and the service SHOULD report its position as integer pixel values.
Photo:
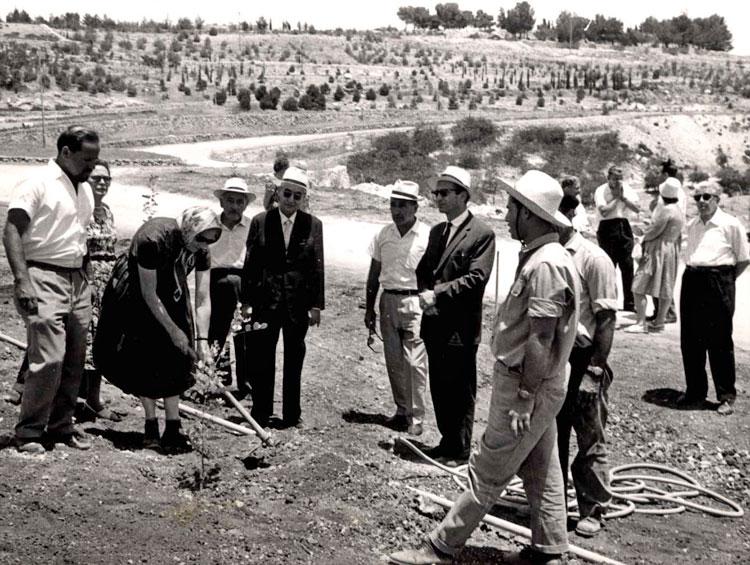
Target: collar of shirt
(414, 229)
(574, 243)
(539, 241)
(720, 218)
(458, 220)
(58, 173)
(243, 222)
(283, 218)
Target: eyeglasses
(705, 197)
(443, 192)
(290, 194)
(97, 179)
(202, 238)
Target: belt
(717, 269)
(226, 270)
(402, 291)
(50, 267)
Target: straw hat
(670, 188)
(406, 190)
(236, 185)
(541, 194)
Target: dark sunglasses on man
(291, 194)
(443, 192)
(97, 179)
(705, 197)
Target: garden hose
(631, 493)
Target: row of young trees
(709, 33)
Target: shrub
(290, 104)
(325, 89)
(370, 94)
(452, 103)
(132, 90)
(384, 90)
(519, 100)
(542, 135)
(697, 176)
(734, 182)
(220, 97)
(474, 131)
(540, 102)
(187, 91)
(469, 160)
(339, 94)
(426, 139)
(580, 95)
(357, 96)
(268, 102)
(244, 96)
(392, 156)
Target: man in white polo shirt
(396, 251)
(717, 253)
(227, 258)
(45, 240)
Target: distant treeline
(710, 33)
(705, 33)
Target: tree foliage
(517, 21)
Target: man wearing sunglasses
(283, 287)
(717, 253)
(452, 275)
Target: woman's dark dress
(132, 349)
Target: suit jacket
(278, 281)
(458, 277)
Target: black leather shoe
(398, 422)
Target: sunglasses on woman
(705, 197)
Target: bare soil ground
(332, 492)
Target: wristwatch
(594, 370)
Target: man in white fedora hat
(396, 251)
(283, 287)
(534, 334)
(452, 275)
(227, 258)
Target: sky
(367, 14)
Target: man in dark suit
(282, 287)
(451, 276)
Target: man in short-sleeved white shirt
(614, 201)
(396, 251)
(45, 241)
(227, 258)
(717, 253)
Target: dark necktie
(443, 243)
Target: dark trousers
(586, 413)
(262, 372)
(453, 385)
(616, 239)
(225, 292)
(706, 309)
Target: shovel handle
(264, 436)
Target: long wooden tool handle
(264, 436)
(13, 341)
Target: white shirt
(719, 242)
(581, 220)
(598, 286)
(455, 223)
(229, 250)
(59, 216)
(284, 220)
(399, 255)
(603, 195)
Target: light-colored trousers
(405, 354)
(56, 351)
(501, 455)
